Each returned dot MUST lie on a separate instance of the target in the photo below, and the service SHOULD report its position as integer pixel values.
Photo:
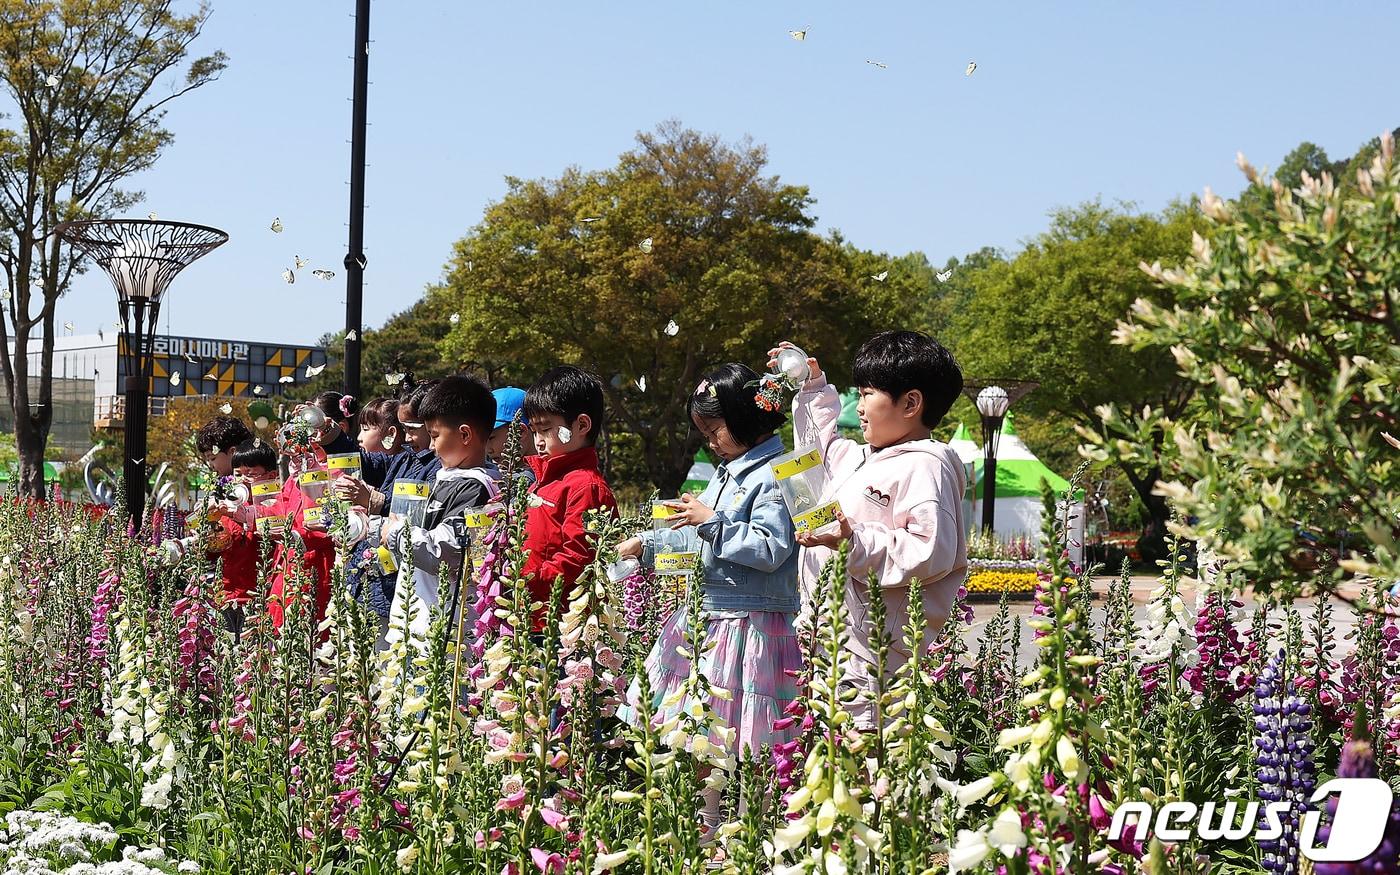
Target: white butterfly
(323, 274)
(588, 219)
(352, 334)
(971, 68)
(672, 329)
(191, 359)
(152, 215)
(287, 379)
(881, 276)
(277, 226)
(313, 370)
(289, 276)
(469, 264)
(645, 245)
(1390, 440)
(52, 81)
(877, 64)
(393, 379)
(226, 408)
(68, 325)
(258, 390)
(174, 378)
(798, 35)
(301, 262)
(642, 383)
(565, 434)
(213, 373)
(944, 275)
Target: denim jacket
(748, 550)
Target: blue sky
(1134, 101)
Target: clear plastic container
(478, 523)
(802, 479)
(264, 492)
(668, 544)
(792, 363)
(313, 484)
(409, 502)
(344, 465)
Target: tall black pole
(355, 257)
(134, 418)
(991, 430)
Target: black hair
(567, 392)
(413, 398)
(255, 452)
(895, 362)
(461, 399)
(329, 402)
(381, 413)
(221, 433)
(727, 393)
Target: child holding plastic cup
(744, 535)
(900, 494)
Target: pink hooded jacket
(904, 504)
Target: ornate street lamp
(141, 257)
(993, 398)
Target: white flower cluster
(1168, 624)
(138, 714)
(44, 843)
(1004, 565)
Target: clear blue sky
(1135, 101)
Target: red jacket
(239, 571)
(317, 559)
(567, 486)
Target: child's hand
(631, 547)
(353, 490)
(689, 511)
(828, 539)
(812, 365)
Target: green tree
(681, 257)
(1285, 324)
(1046, 314)
(82, 76)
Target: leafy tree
(82, 75)
(1285, 325)
(593, 267)
(1044, 316)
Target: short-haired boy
(217, 439)
(252, 460)
(900, 494)
(565, 411)
(458, 413)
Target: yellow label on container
(271, 487)
(476, 520)
(419, 490)
(793, 467)
(816, 518)
(306, 477)
(662, 512)
(387, 563)
(343, 462)
(313, 515)
(675, 563)
(271, 525)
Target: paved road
(1343, 616)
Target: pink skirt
(753, 654)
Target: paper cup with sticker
(313, 484)
(802, 479)
(670, 545)
(264, 492)
(343, 465)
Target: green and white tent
(701, 472)
(963, 444)
(1018, 507)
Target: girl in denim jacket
(748, 553)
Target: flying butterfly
(152, 215)
(276, 226)
(588, 220)
(301, 262)
(68, 325)
(454, 318)
(881, 276)
(1390, 440)
(672, 329)
(225, 408)
(213, 373)
(352, 334)
(642, 383)
(313, 370)
(258, 390)
(394, 379)
(799, 35)
(52, 81)
(645, 246)
(289, 378)
(191, 359)
(289, 276)
(944, 275)
(877, 64)
(971, 68)
(323, 274)
(174, 378)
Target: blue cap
(509, 400)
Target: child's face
(253, 473)
(220, 460)
(453, 445)
(886, 420)
(377, 438)
(415, 434)
(496, 445)
(548, 439)
(718, 438)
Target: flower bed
(996, 576)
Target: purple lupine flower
(1358, 760)
(1285, 769)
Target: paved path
(1343, 616)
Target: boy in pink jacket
(900, 494)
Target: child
(748, 551)
(216, 441)
(253, 461)
(458, 413)
(380, 431)
(900, 494)
(340, 411)
(565, 411)
(509, 400)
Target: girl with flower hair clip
(748, 558)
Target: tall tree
(83, 76)
(1047, 315)
(682, 256)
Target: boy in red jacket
(564, 409)
(218, 442)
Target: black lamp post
(141, 257)
(992, 403)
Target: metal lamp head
(992, 402)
